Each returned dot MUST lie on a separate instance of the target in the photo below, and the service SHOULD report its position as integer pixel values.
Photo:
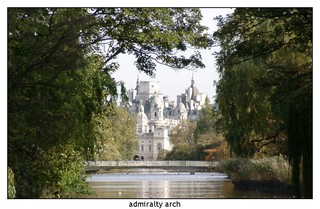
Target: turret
(142, 120)
(156, 108)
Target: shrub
(11, 187)
(61, 174)
(265, 169)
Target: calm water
(158, 183)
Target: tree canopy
(198, 140)
(265, 91)
(60, 65)
(116, 136)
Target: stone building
(156, 115)
(193, 100)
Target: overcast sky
(174, 82)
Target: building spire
(137, 83)
(192, 80)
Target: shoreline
(262, 186)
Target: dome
(180, 105)
(180, 109)
(141, 114)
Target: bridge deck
(149, 164)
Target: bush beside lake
(271, 173)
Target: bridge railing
(151, 164)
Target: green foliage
(207, 131)
(151, 35)
(181, 152)
(60, 81)
(211, 138)
(192, 152)
(242, 105)
(183, 134)
(265, 91)
(54, 91)
(218, 152)
(206, 121)
(275, 169)
(162, 154)
(116, 136)
(11, 187)
(59, 173)
(192, 139)
(255, 33)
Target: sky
(174, 82)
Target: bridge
(180, 165)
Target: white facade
(146, 89)
(156, 115)
(150, 144)
(153, 131)
(193, 100)
(142, 121)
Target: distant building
(193, 100)
(156, 115)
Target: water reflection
(158, 183)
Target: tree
(207, 119)
(207, 134)
(265, 63)
(116, 135)
(183, 134)
(191, 139)
(151, 35)
(60, 64)
(182, 139)
(242, 106)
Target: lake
(160, 183)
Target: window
(150, 148)
(155, 114)
(159, 146)
(142, 147)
